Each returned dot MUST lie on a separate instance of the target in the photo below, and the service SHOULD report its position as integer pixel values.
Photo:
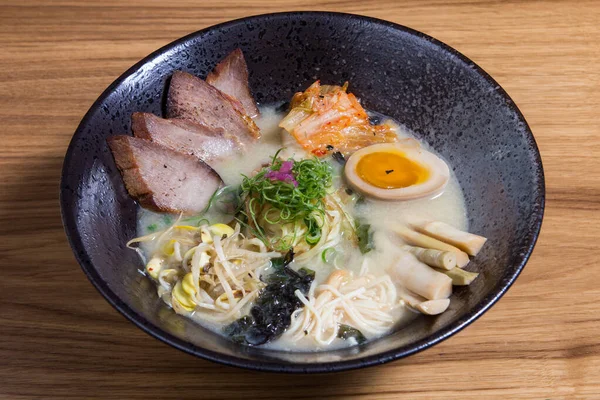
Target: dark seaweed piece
(365, 237)
(236, 331)
(339, 157)
(346, 332)
(271, 314)
(288, 258)
(329, 147)
(278, 266)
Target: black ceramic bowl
(435, 91)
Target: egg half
(396, 171)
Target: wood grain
(60, 339)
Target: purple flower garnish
(283, 174)
(286, 167)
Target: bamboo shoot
(433, 258)
(433, 307)
(418, 239)
(421, 304)
(420, 278)
(460, 277)
(468, 242)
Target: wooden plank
(60, 339)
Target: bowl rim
(481, 307)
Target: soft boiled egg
(396, 171)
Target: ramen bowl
(448, 101)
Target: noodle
(342, 248)
(365, 302)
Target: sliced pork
(162, 179)
(230, 76)
(208, 144)
(193, 99)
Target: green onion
(280, 202)
(314, 231)
(152, 227)
(225, 200)
(328, 255)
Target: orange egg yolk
(390, 170)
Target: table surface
(59, 338)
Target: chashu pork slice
(162, 179)
(208, 144)
(193, 99)
(230, 76)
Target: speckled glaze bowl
(435, 91)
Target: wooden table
(60, 339)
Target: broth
(448, 207)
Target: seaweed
(365, 237)
(271, 313)
(347, 332)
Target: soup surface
(305, 229)
(447, 207)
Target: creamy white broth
(381, 215)
(231, 170)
